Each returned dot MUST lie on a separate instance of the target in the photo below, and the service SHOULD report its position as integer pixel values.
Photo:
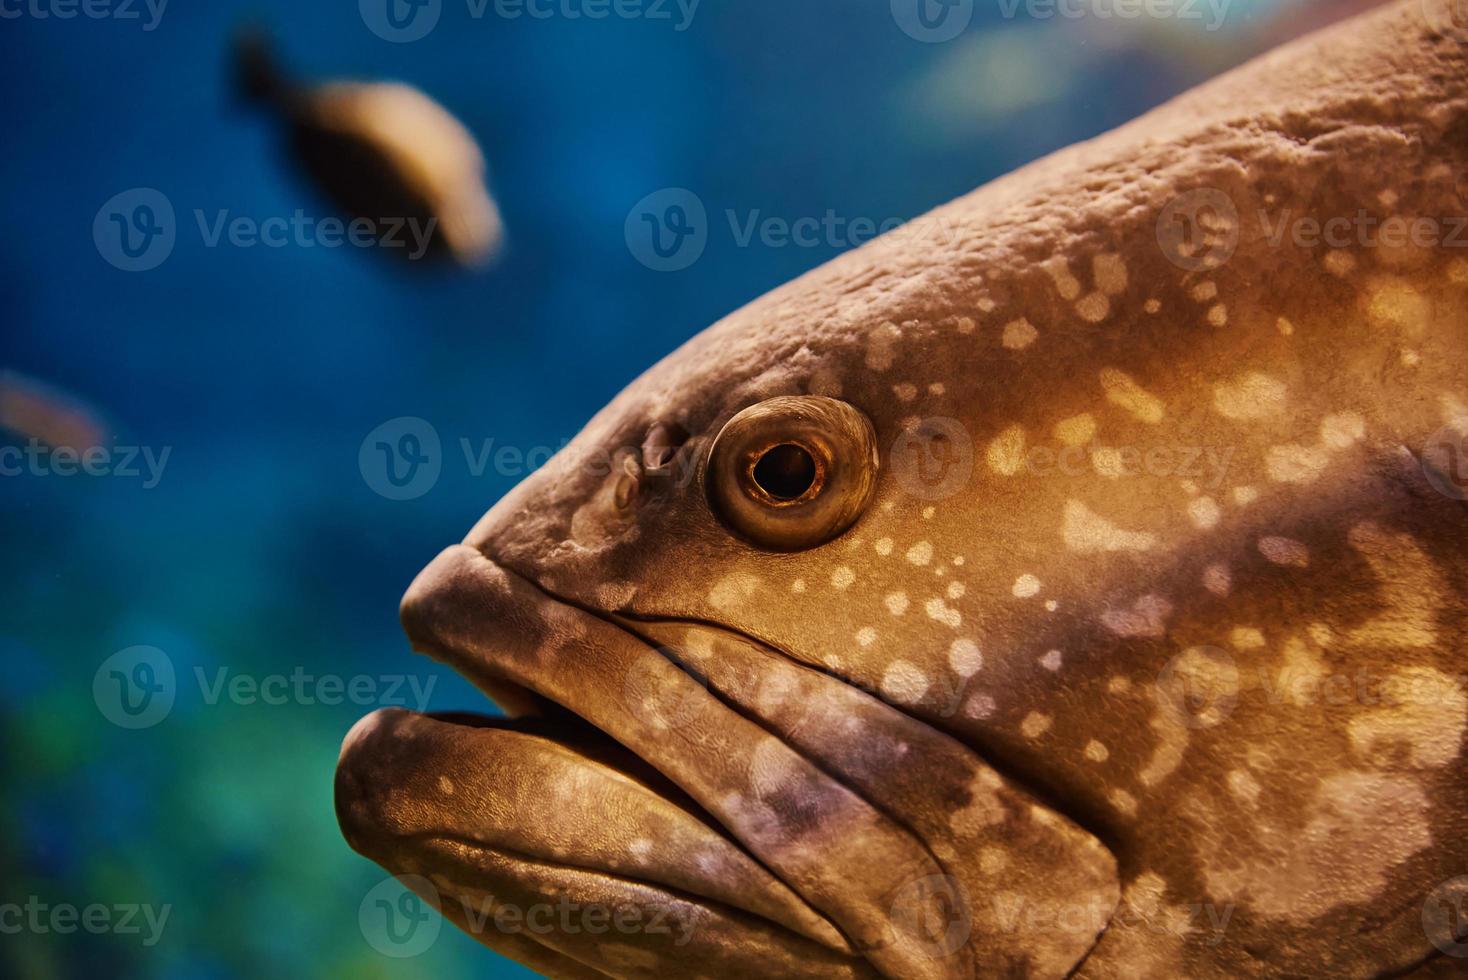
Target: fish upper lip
(437, 597)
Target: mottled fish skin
(1182, 617)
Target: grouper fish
(1073, 582)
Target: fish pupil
(785, 472)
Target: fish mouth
(773, 819)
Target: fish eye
(786, 472)
(792, 472)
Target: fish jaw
(822, 843)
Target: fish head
(840, 636)
(746, 572)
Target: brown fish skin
(1156, 663)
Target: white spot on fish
(1019, 334)
(1076, 430)
(1147, 617)
(1284, 551)
(1035, 724)
(1125, 393)
(939, 611)
(1342, 430)
(964, 657)
(1204, 512)
(1108, 271)
(920, 553)
(881, 347)
(1025, 587)
(1006, 454)
(1085, 531)
(1295, 463)
(1093, 307)
(904, 683)
(1250, 396)
(1052, 660)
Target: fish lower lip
(536, 835)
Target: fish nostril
(629, 481)
(661, 446)
(785, 472)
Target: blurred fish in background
(34, 410)
(383, 152)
